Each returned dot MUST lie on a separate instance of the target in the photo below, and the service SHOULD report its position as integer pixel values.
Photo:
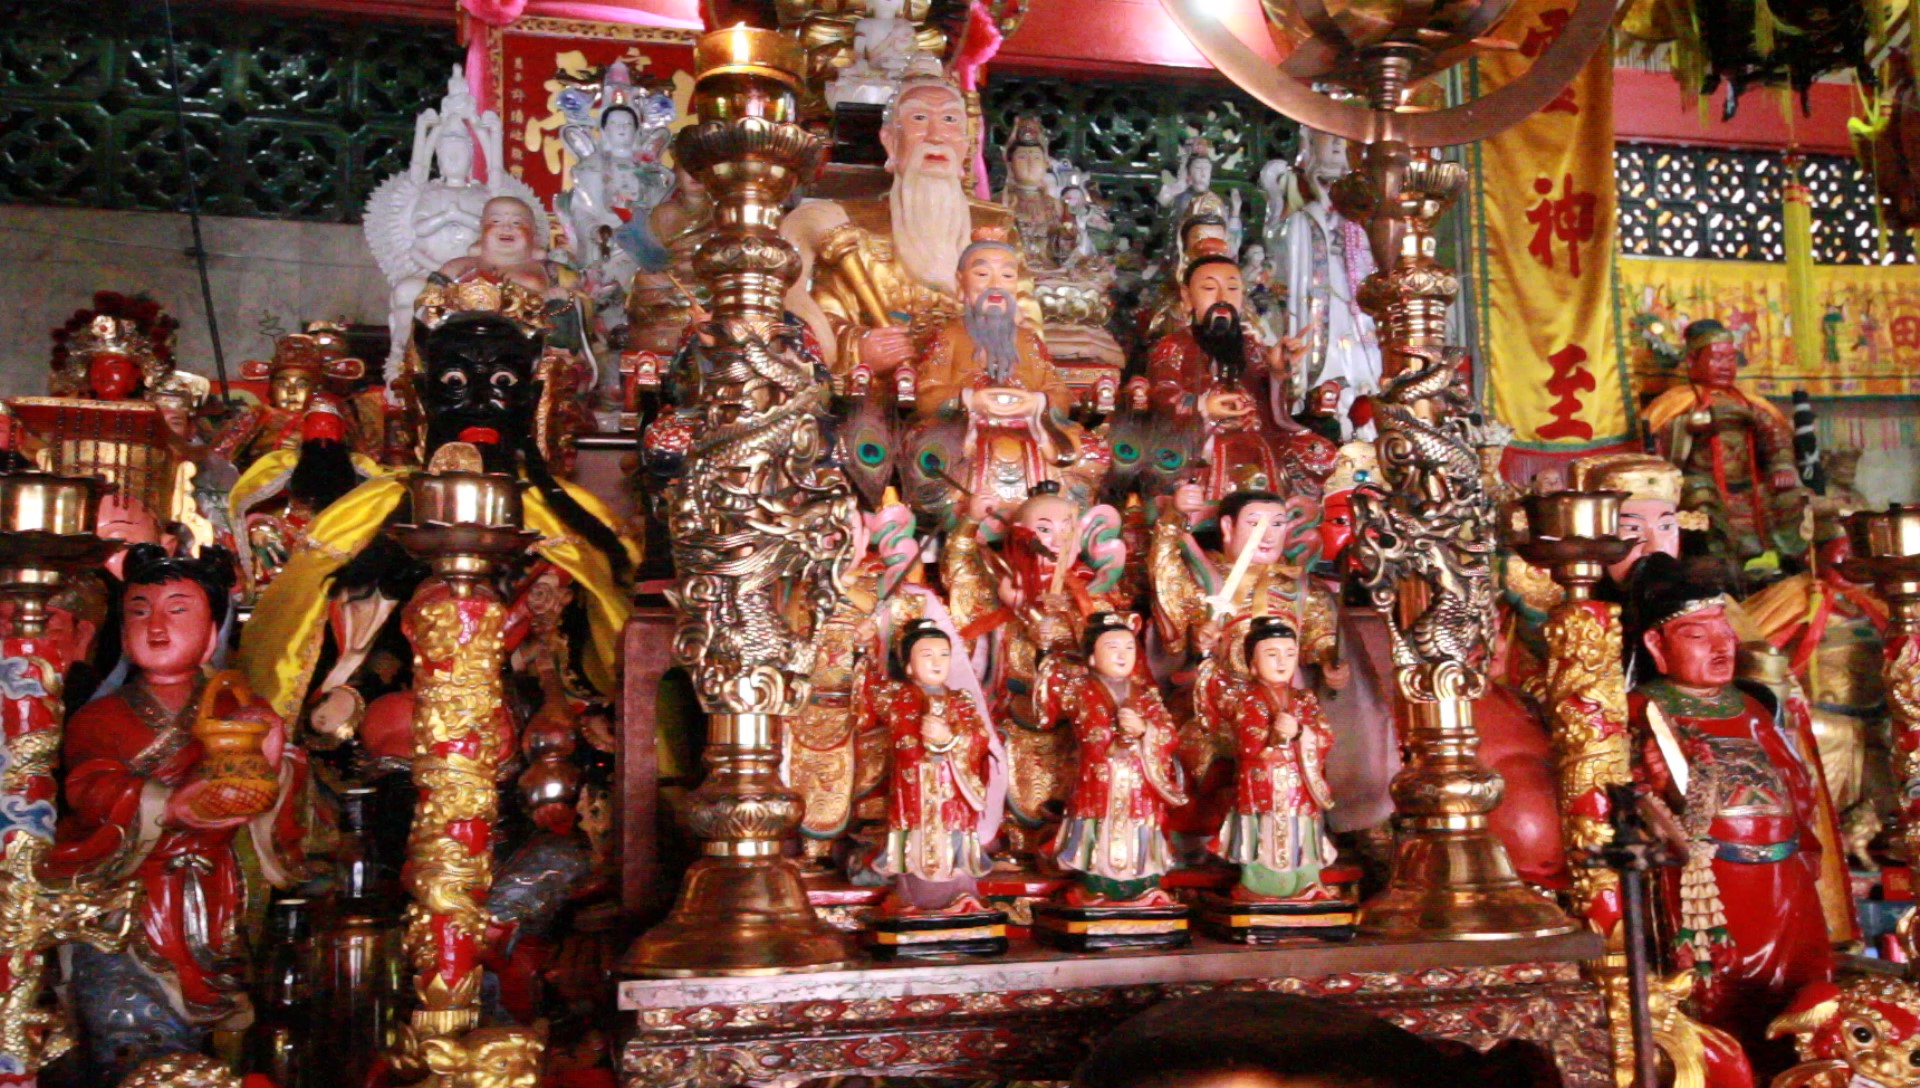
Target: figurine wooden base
(907, 936)
(1241, 922)
(1098, 929)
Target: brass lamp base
(739, 916)
(1458, 885)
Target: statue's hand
(884, 349)
(1206, 637)
(935, 730)
(1225, 404)
(1287, 727)
(211, 805)
(1336, 674)
(1131, 723)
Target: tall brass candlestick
(760, 529)
(1886, 552)
(46, 534)
(465, 524)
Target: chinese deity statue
(433, 213)
(1213, 374)
(1178, 193)
(1325, 258)
(1017, 600)
(619, 179)
(108, 359)
(938, 781)
(163, 777)
(296, 379)
(871, 267)
(1038, 212)
(1735, 447)
(991, 407)
(281, 493)
(1126, 775)
(1276, 831)
(511, 246)
(1071, 281)
(884, 42)
(837, 765)
(1723, 785)
(480, 354)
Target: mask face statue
(168, 629)
(1050, 518)
(1275, 660)
(112, 376)
(479, 378)
(291, 390)
(929, 662)
(1697, 650)
(1114, 654)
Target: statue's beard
(1220, 336)
(323, 473)
(932, 223)
(995, 332)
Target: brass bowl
(1886, 544)
(1574, 515)
(478, 499)
(1330, 40)
(42, 502)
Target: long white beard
(932, 223)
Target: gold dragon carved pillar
(760, 523)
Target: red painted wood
(646, 646)
(1647, 106)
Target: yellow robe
(281, 643)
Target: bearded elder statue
(873, 268)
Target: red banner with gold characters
(548, 74)
(1542, 218)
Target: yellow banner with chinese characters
(1868, 339)
(1542, 245)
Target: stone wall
(268, 276)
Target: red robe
(123, 757)
(1123, 787)
(1179, 372)
(1765, 806)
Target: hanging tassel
(1803, 304)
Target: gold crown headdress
(321, 356)
(443, 298)
(1640, 475)
(106, 335)
(1027, 132)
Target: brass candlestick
(1426, 545)
(466, 524)
(760, 530)
(46, 535)
(1886, 553)
(1574, 535)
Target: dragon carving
(760, 520)
(1431, 523)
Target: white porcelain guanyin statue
(883, 45)
(431, 214)
(1324, 257)
(619, 179)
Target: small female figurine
(1276, 831)
(937, 789)
(1114, 837)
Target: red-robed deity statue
(163, 777)
(1734, 446)
(938, 786)
(1213, 374)
(1114, 837)
(1730, 790)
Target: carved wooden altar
(1032, 1014)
